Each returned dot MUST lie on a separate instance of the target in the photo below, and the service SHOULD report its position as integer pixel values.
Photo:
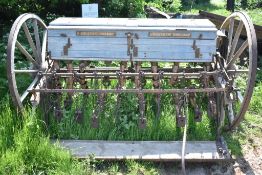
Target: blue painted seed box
(122, 39)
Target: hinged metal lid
(134, 22)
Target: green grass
(26, 150)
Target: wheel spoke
(235, 40)
(44, 46)
(27, 55)
(230, 35)
(30, 40)
(230, 112)
(37, 40)
(236, 72)
(29, 88)
(238, 53)
(240, 96)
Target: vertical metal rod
(141, 98)
(184, 149)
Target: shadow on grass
(234, 145)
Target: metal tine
(211, 108)
(197, 110)
(123, 65)
(179, 99)
(159, 94)
(141, 98)
(156, 84)
(211, 111)
(120, 85)
(174, 78)
(94, 119)
(118, 99)
(70, 81)
(58, 112)
(79, 113)
(98, 110)
(142, 120)
(180, 121)
(100, 103)
(180, 110)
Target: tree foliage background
(10, 9)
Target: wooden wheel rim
(252, 48)
(12, 39)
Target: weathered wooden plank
(122, 55)
(122, 34)
(90, 54)
(144, 150)
(123, 47)
(144, 41)
(128, 59)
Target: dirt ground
(249, 164)
(242, 166)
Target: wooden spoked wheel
(238, 60)
(26, 56)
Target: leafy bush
(166, 5)
(193, 2)
(249, 4)
(175, 6)
(122, 8)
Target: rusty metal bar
(148, 91)
(132, 74)
(91, 70)
(130, 77)
(144, 69)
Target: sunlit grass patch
(26, 150)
